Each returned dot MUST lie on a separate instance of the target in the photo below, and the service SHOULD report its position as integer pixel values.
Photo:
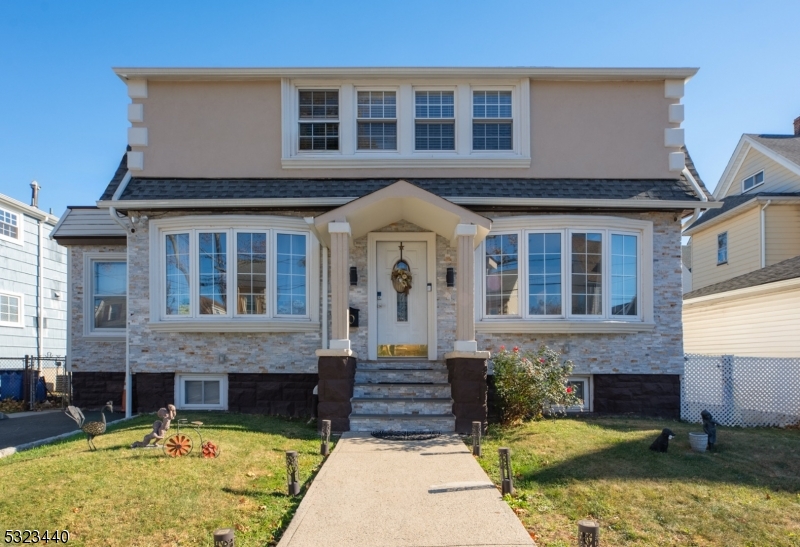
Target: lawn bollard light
(476, 439)
(292, 473)
(505, 471)
(588, 533)
(223, 537)
(325, 436)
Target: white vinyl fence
(741, 391)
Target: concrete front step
(405, 406)
(424, 390)
(401, 376)
(397, 364)
(446, 423)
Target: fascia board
(459, 200)
(549, 73)
(774, 156)
(759, 290)
(28, 210)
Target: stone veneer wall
(198, 352)
(445, 296)
(659, 351)
(90, 354)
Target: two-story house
(745, 256)
(378, 232)
(33, 282)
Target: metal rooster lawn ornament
(92, 429)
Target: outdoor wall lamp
(353, 276)
(451, 277)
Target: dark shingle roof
(787, 146)
(165, 189)
(788, 269)
(731, 202)
(117, 178)
(693, 170)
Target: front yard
(120, 496)
(746, 493)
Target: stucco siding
(744, 249)
(600, 130)
(763, 325)
(90, 354)
(782, 232)
(776, 177)
(655, 352)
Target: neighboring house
(257, 210)
(33, 282)
(686, 267)
(745, 276)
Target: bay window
(243, 270)
(566, 273)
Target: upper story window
(752, 181)
(377, 120)
(435, 120)
(722, 248)
(9, 225)
(565, 273)
(319, 120)
(492, 120)
(11, 312)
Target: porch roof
(402, 201)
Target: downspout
(763, 233)
(324, 288)
(113, 212)
(698, 191)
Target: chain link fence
(741, 391)
(37, 381)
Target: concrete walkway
(372, 492)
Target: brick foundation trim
(336, 379)
(95, 389)
(644, 394)
(468, 386)
(273, 394)
(153, 390)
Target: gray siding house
(256, 240)
(33, 283)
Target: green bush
(529, 383)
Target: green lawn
(747, 493)
(118, 496)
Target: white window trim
(398, 116)
(568, 323)
(515, 119)
(297, 121)
(20, 239)
(20, 323)
(457, 120)
(588, 403)
(347, 157)
(223, 391)
(755, 185)
(89, 259)
(232, 322)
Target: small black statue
(710, 428)
(661, 444)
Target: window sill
(365, 161)
(560, 326)
(234, 326)
(118, 336)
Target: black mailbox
(353, 317)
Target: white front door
(402, 317)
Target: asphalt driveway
(35, 427)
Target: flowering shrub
(528, 383)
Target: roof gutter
(698, 191)
(458, 200)
(113, 210)
(786, 200)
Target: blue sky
(64, 123)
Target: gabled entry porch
(411, 313)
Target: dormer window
(752, 181)
(319, 120)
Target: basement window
(201, 391)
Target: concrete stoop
(402, 395)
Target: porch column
(465, 287)
(340, 285)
